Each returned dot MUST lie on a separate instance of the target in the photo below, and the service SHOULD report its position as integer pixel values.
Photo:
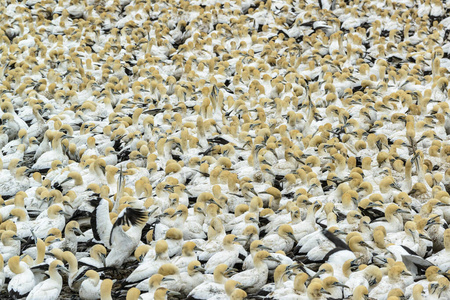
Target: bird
(229, 255)
(23, 281)
(96, 259)
(283, 240)
(123, 242)
(151, 263)
(253, 279)
(440, 258)
(187, 256)
(11, 244)
(55, 219)
(50, 288)
(90, 287)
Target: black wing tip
(133, 216)
(335, 240)
(94, 202)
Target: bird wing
(44, 291)
(335, 240)
(129, 216)
(247, 278)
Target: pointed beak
(200, 269)
(262, 247)
(340, 284)
(240, 239)
(167, 279)
(230, 272)
(81, 278)
(173, 294)
(366, 245)
(431, 221)
(152, 211)
(406, 273)
(63, 269)
(336, 232)
(271, 258)
(422, 236)
(64, 213)
(198, 248)
(291, 235)
(66, 180)
(103, 259)
(15, 237)
(68, 204)
(77, 230)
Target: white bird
(283, 240)
(90, 287)
(96, 258)
(442, 259)
(10, 244)
(23, 281)
(153, 284)
(123, 243)
(254, 279)
(397, 278)
(150, 264)
(210, 289)
(187, 256)
(394, 220)
(55, 219)
(56, 153)
(50, 288)
(174, 239)
(229, 255)
(103, 226)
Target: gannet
(150, 266)
(283, 240)
(229, 255)
(10, 244)
(50, 288)
(55, 219)
(187, 256)
(23, 281)
(90, 287)
(253, 279)
(209, 289)
(440, 259)
(96, 259)
(123, 243)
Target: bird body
(50, 288)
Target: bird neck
(17, 268)
(259, 264)
(73, 266)
(219, 278)
(95, 280)
(310, 216)
(54, 275)
(39, 118)
(40, 253)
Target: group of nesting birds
(229, 149)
